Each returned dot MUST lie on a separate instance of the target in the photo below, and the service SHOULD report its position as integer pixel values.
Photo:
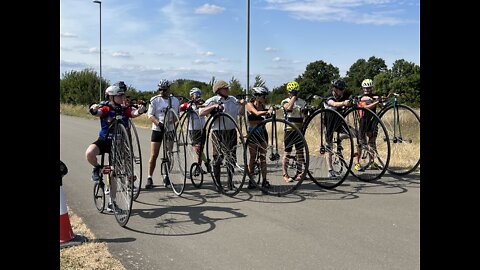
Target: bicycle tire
(121, 182)
(227, 158)
(137, 161)
(405, 143)
(274, 166)
(315, 132)
(373, 159)
(176, 169)
(193, 144)
(99, 196)
(196, 175)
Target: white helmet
(195, 91)
(258, 91)
(114, 90)
(367, 83)
(164, 84)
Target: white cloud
(353, 11)
(121, 54)
(209, 9)
(68, 35)
(93, 50)
(208, 53)
(276, 59)
(270, 49)
(202, 62)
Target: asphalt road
(357, 226)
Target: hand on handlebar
(141, 108)
(94, 109)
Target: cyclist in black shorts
(256, 113)
(367, 133)
(293, 107)
(196, 122)
(338, 101)
(156, 114)
(106, 112)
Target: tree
(235, 87)
(259, 82)
(81, 87)
(316, 79)
(406, 78)
(361, 70)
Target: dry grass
(89, 255)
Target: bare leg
(91, 154)
(154, 149)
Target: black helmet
(339, 84)
(121, 85)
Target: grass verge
(90, 255)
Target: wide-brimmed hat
(219, 85)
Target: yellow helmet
(293, 85)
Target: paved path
(358, 226)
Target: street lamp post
(99, 2)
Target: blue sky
(144, 41)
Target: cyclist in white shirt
(224, 129)
(196, 122)
(156, 114)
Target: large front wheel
(331, 148)
(174, 148)
(122, 175)
(371, 144)
(137, 161)
(278, 155)
(403, 125)
(225, 148)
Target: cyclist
(195, 122)
(106, 111)
(338, 102)
(232, 107)
(156, 114)
(256, 112)
(293, 107)
(370, 101)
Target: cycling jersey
(253, 117)
(295, 114)
(195, 122)
(231, 107)
(108, 114)
(157, 108)
(342, 109)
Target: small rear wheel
(99, 196)
(196, 175)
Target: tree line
(83, 87)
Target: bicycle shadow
(352, 188)
(177, 220)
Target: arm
(332, 103)
(151, 115)
(242, 106)
(98, 110)
(289, 105)
(137, 112)
(206, 110)
(251, 110)
(366, 99)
